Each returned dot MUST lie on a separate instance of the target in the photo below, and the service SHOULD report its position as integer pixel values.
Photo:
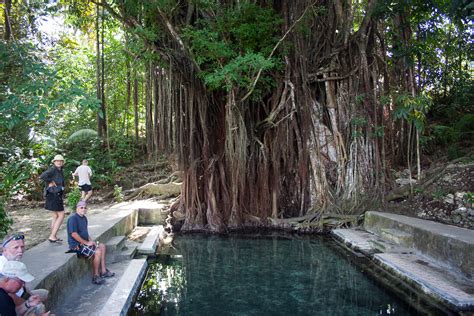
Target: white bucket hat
(17, 269)
(58, 157)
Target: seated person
(81, 243)
(13, 277)
(13, 247)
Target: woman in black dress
(54, 182)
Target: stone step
(449, 287)
(151, 241)
(115, 243)
(430, 278)
(127, 252)
(397, 236)
(451, 246)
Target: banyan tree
(273, 108)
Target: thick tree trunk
(7, 19)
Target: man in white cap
(13, 247)
(13, 277)
(54, 185)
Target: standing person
(81, 243)
(84, 172)
(13, 247)
(54, 182)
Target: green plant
(73, 197)
(469, 198)
(118, 195)
(5, 220)
(438, 194)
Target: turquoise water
(241, 275)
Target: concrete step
(397, 236)
(151, 241)
(430, 278)
(127, 252)
(449, 287)
(451, 246)
(115, 243)
(85, 298)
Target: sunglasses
(17, 236)
(82, 207)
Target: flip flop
(54, 241)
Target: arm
(47, 176)
(79, 239)
(24, 305)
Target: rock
(449, 199)
(456, 219)
(402, 181)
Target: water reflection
(265, 276)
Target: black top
(53, 174)
(7, 306)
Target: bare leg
(54, 217)
(102, 259)
(83, 195)
(56, 224)
(87, 195)
(96, 262)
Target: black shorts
(86, 187)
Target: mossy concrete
(452, 246)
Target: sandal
(107, 274)
(54, 240)
(97, 280)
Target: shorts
(54, 202)
(86, 187)
(84, 251)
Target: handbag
(54, 189)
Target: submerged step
(436, 281)
(149, 244)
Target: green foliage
(73, 197)
(469, 198)
(234, 46)
(118, 195)
(438, 194)
(413, 109)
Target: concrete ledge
(430, 279)
(450, 245)
(57, 271)
(121, 299)
(148, 246)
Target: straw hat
(58, 157)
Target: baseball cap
(17, 269)
(81, 204)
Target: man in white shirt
(84, 172)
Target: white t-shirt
(2, 263)
(84, 173)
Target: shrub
(73, 197)
(118, 195)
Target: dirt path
(35, 221)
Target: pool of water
(268, 275)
